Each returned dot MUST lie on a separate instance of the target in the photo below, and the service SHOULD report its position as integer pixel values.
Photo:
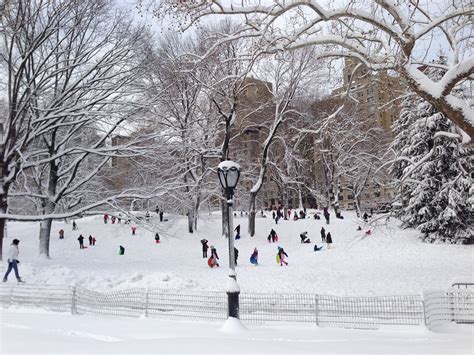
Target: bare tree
(381, 34)
(69, 69)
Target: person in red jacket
(134, 228)
(61, 234)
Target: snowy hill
(388, 262)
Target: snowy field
(388, 262)
(27, 331)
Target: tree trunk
(3, 225)
(44, 238)
(252, 213)
(300, 199)
(357, 203)
(191, 220)
(285, 201)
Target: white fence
(434, 309)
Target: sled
(278, 258)
(210, 262)
(253, 261)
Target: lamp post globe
(229, 174)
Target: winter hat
(280, 248)
(15, 242)
(212, 246)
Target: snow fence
(433, 308)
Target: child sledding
(304, 238)
(280, 257)
(254, 257)
(212, 261)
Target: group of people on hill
(212, 261)
(92, 241)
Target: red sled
(210, 262)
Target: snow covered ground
(388, 262)
(27, 331)
(391, 261)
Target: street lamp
(229, 173)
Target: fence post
(146, 301)
(424, 309)
(11, 296)
(73, 300)
(316, 309)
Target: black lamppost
(229, 173)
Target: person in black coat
(323, 235)
(204, 247)
(326, 215)
(329, 240)
(304, 238)
(236, 255)
(81, 242)
(237, 229)
(157, 238)
(365, 216)
(90, 240)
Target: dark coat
(329, 238)
(214, 253)
(204, 244)
(80, 239)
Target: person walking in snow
(161, 216)
(12, 260)
(237, 229)
(273, 236)
(74, 225)
(323, 235)
(134, 229)
(81, 242)
(281, 256)
(273, 215)
(157, 238)
(295, 216)
(329, 240)
(204, 247)
(326, 214)
(93, 241)
(121, 250)
(90, 240)
(254, 257)
(365, 217)
(106, 218)
(61, 234)
(112, 219)
(236, 255)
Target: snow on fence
(452, 306)
(433, 309)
